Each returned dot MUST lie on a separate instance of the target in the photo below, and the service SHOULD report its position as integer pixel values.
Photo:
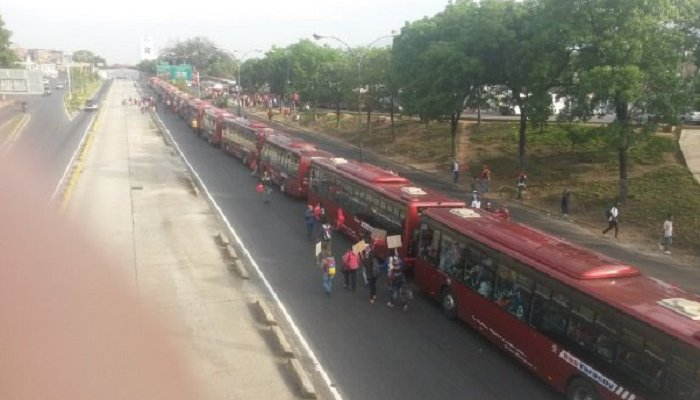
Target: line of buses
(590, 326)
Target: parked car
(59, 85)
(691, 118)
(91, 105)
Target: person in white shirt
(668, 234)
(612, 214)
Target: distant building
(148, 50)
(47, 61)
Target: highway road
(50, 138)
(370, 351)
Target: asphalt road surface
(370, 351)
(50, 139)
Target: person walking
(455, 171)
(310, 220)
(396, 282)
(266, 180)
(327, 264)
(566, 194)
(484, 179)
(326, 232)
(667, 234)
(370, 272)
(351, 263)
(613, 214)
(521, 185)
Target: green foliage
(7, 56)
(87, 57)
(221, 102)
(148, 67)
(84, 85)
(202, 54)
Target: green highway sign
(174, 72)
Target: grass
(580, 157)
(83, 86)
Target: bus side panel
(537, 352)
(428, 278)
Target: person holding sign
(370, 272)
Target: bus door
(425, 271)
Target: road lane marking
(287, 316)
(75, 166)
(11, 139)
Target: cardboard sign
(318, 248)
(393, 242)
(378, 234)
(359, 246)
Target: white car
(59, 85)
(91, 105)
(691, 118)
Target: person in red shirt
(484, 179)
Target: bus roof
(393, 186)
(611, 281)
(365, 172)
(289, 143)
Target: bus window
(452, 258)
(642, 361)
(480, 275)
(550, 314)
(679, 379)
(513, 292)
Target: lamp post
(238, 75)
(359, 58)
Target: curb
(265, 312)
(240, 269)
(282, 342)
(302, 379)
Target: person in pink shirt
(351, 263)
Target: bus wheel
(580, 389)
(449, 303)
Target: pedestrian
(476, 203)
(351, 263)
(396, 282)
(484, 179)
(667, 234)
(474, 186)
(566, 194)
(455, 171)
(521, 185)
(612, 215)
(269, 114)
(474, 197)
(327, 264)
(326, 232)
(340, 219)
(488, 208)
(254, 167)
(319, 212)
(266, 180)
(369, 272)
(310, 220)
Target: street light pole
(359, 59)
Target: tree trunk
(622, 115)
(622, 155)
(391, 116)
(478, 106)
(337, 115)
(454, 123)
(522, 137)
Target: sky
(113, 29)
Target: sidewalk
(135, 200)
(690, 147)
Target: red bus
(194, 110)
(243, 138)
(590, 326)
(211, 124)
(288, 160)
(180, 105)
(371, 197)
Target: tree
(148, 67)
(8, 58)
(87, 57)
(628, 54)
(202, 54)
